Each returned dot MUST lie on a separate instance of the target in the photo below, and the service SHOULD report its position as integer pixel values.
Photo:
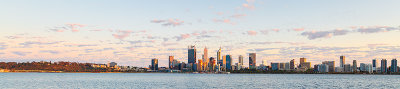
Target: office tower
(205, 55)
(219, 55)
(374, 65)
(252, 60)
(331, 65)
(191, 54)
(154, 64)
(275, 66)
(171, 62)
(223, 62)
(212, 64)
(342, 61)
(323, 68)
(228, 62)
(292, 64)
(302, 60)
(240, 60)
(287, 66)
(347, 68)
(354, 66)
(200, 65)
(393, 67)
(383, 66)
(362, 67)
(282, 66)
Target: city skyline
(123, 32)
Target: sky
(132, 32)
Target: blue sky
(133, 32)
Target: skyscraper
(154, 64)
(171, 62)
(205, 55)
(252, 60)
(354, 65)
(191, 54)
(223, 62)
(331, 65)
(219, 60)
(374, 65)
(228, 62)
(383, 66)
(292, 64)
(240, 60)
(302, 60)
(393, 67)
(342, 61)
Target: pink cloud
(298, 29)
(248, 6)
(169, 22)
(122, 34)
(238, 15)
(252, 33)
(182, 36)
(228, 21)
(74, 27)
(276, 30)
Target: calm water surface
(164, 80)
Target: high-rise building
(154, 64)
(191, 54)
(323, 68)
(219, 60)
(342, 61)
(292, 64)
(331, 65)
(354, 65)
(383, 66)
(240, 60)
(112, 64)
(393, 67)
(171, 62)
(275, 66)
(302, 60)
(374, 65)
(252, 60)
(205, 55)
(347, 68)
(223, 62)
(228, 62)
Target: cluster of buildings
(223, 63)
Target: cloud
(50, 51)
(228, 21)
(276, 42)
(238, 15)
(140, 41)
(122, 34)
(169, 22)
(374, 45)
(376, 29)
(298, 29)
(252, 33)
(3, 46)
(276, 30)
(265, 32)
(248, 6)
(169, 44)
(324, 34)
(21, 53)
(74, 26)
(97, 50)
(29, 43)
(182, 36)
(58, 29)
(80, 45)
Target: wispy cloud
(20, 53)
(50, 51)
(182, 36)
(122, 34)
(252, 33)
(3, 46)
(228, 21)
(324, 34)
(169, 22)
(376, 29)
(29, 43)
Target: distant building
(304, 64)
(331, 65)
(342, 61)
(228, 62)
(292, 64)
(339, 69)
(224, 62)
(205, 55)
(347, 68)
(171, 62)
(354, 65)
(363, 67)
(393, 67)
(154, 64)
(383, 66)
(240, 65)
(323, 68)
(252, 60)
(191, 54)
(374, 65)
(219, 60)
(282, 66)
(275, 66)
